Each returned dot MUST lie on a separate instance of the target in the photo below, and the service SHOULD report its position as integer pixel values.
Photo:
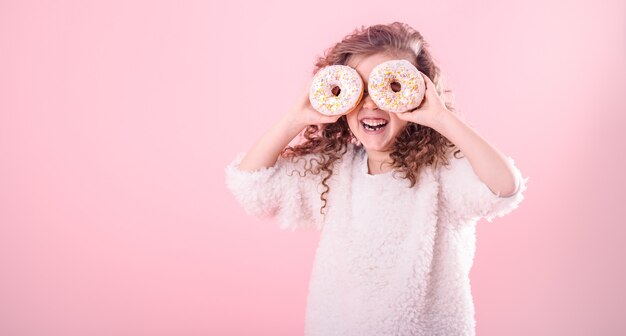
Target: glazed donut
(336, 90)
(391, 98)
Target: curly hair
(416, 145)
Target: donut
(336, 90)
(391, 98)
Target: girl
(397, 209)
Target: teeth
(372, 128)
(374, 122)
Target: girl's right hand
(302, 113)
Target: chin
(379, 147)
(382, 141)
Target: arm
(484, 182)
(489, 164)
(263, 182)
(469, 183)
(266, 150)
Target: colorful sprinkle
(411, 83)
(349, 82)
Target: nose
(368, 103)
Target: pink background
(117, 119)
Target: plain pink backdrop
(117, 119)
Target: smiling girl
(396, 206)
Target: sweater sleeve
(468, 197)
(281, 191)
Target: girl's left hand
(430, 111)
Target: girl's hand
(429, 112)
(303, 114)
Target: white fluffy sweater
(391, 260)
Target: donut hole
(335, 90)
(395, 86)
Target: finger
(430, 86)
(404, 115)
(426, 78)
(307, 90)
(331, 118)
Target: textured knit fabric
(391, 260)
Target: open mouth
(374, 125)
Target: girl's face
(383, 139)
